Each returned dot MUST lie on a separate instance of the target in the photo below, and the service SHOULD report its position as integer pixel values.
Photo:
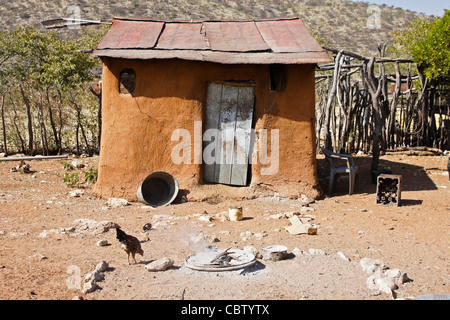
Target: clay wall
(171, 94)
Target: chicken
(130, 244)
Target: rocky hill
(355, 26)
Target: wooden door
(227, 139)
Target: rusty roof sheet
(127, 34)
(264, 41)
(288, 36)
(235, 37)
(183, 36)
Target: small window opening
(277, 78)
(127, 81)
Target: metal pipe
(34, 158)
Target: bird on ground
(130, 244)
(147, 227)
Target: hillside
(342, 23)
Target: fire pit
(215, 259)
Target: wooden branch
(362, 58)
(399, 60)
(347, 53)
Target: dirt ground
(45, 252)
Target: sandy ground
(45, 253)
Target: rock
(382, 284)
(38, 256)
(159, 265)
(222, 216)
(252, 250)
(91, 278)
(398, 276)
(305, 200)
(307, 209)
(260, 235)
(205, 218)
(274, 253)
(297, 252)
(18, 234)
(101, 266)
(316, 252)
(90, 286)
(102, 243)
(78, 164)
(370, 265)
(95, 275)
(246, 234)
(117, 202)
(108, 225)
(342, 256)
(76, 193)
(284, 215)
(86, 225)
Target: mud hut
(226, 107)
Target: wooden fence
(378, 104)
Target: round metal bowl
(201, 261)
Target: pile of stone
(382, 279)
(81, 226)
(91, 278)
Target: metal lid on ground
(217, 260)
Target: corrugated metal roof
(265, 41)
(125, 34)
(183, 36)
(235, 37)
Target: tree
(39, 71)
(428, 43)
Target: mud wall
(171, 94)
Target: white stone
(397, 275)
(342, 256)
(298, 252)
(76, 193)
(117, 202)
(90, 286)
(222, 216)
(205, 218)
(101, 266)
(78, 164)
(382, 284)
(246, 234)
(305, 200)
(252, 250)
(159, 265)
(370, 265)
(260, 235)
(102, 243)
(316, 252)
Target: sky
(430, 7)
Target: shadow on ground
(414, 178)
